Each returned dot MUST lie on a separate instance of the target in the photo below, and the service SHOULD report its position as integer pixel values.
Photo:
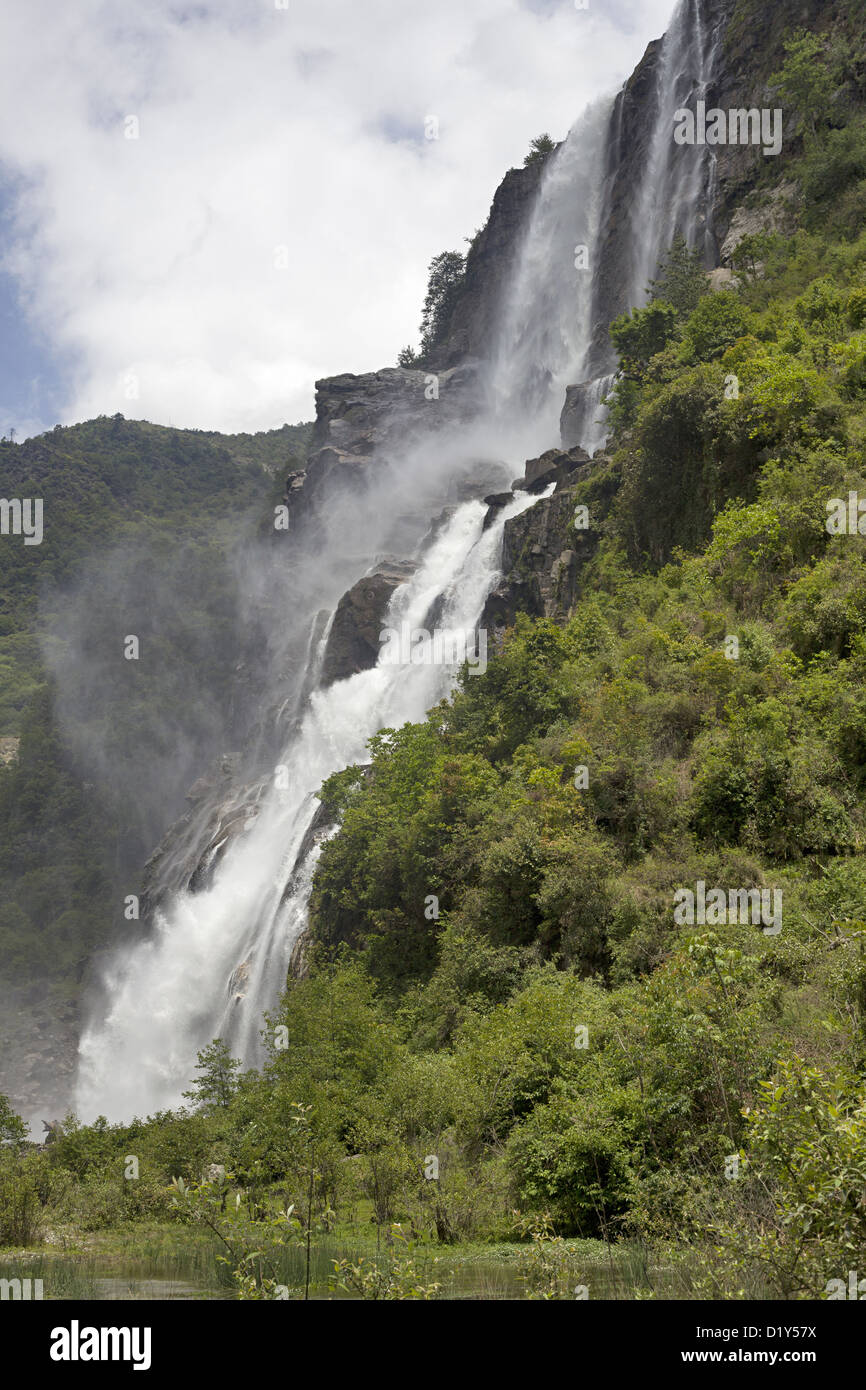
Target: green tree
(716, 324)
(445, 277)
(637, 337)
(681, 277)
(13, 1130)
(806, 1156)
(539, 149)
(218, 1082)
(805, 80)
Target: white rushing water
(217, 958)
(545, 338)
(545, 331)
(672, 194)
(236, 936)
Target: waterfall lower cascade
(217, 959)
(244, 925)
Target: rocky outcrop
(361, 420)
(554, 466)
(775, 211)
(495, 502)
(353, 642)
(541, 550)
(358, 415)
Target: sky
(204, 208)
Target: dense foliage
(134, 514)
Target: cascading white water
(216, 959)
(546, 338)
(545, 330)
(670, 195)
(176, 990)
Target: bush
(565, 1161)
(716, 324)
(20, 1208)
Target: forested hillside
(141, 528)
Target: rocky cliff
(471, 325)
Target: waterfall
(545, 327)
(553, 330)
(674, 192)
(217, 958)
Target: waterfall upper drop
(545, 330)
(608, 203)
(612, 198)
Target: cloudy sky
(205, 207)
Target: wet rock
(541, 558)
(353, 642)
(556, 466)
(583, 415)
(495, 501)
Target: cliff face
(745, 44)
(362, 419)
(489, 263)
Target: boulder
(353, 643)
(495, 501)
(556, 466)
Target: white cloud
(262, 129)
